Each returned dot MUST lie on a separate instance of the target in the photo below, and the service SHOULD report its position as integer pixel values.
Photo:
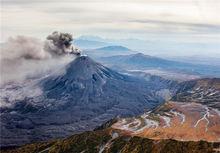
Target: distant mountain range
(140, 61)
(114, 48)
(92, 42)
(161, 48)
(198, 59)
(108, 51)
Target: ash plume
(24, 57)
(60, 43)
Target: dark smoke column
(61, 43)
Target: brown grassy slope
(91, 142)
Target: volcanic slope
(80, 98)
(205, 91)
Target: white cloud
(111, 18)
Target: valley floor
(175, 120)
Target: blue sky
(186, 21)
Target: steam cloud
(23, 57)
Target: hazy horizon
(183, 28)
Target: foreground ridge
(108, 141)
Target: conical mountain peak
(84, 67)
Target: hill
(109, 51)
(183, 127)
(140, 61)
(80, 97)
(110, 141)
(113, 48)
(192, 115)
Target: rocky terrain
(204, 91)
(86, 94)
(112, 141)
(176, 126)
(193, 116)
(80, 97)
(175, 120)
